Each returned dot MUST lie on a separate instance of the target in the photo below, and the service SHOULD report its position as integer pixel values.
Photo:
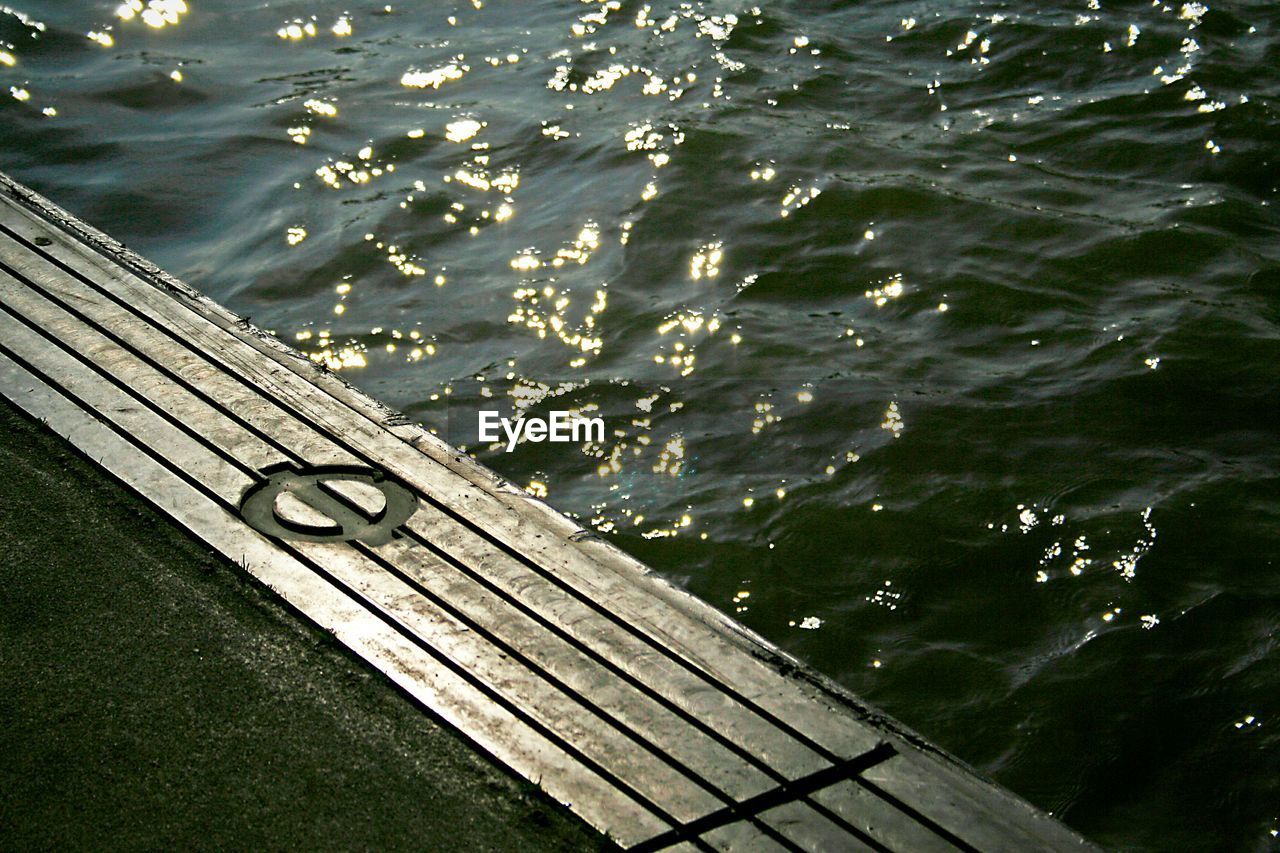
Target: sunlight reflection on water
(871, 298)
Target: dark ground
(152, 696)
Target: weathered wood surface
(656, 718)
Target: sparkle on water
(949, 303)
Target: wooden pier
(660, 721)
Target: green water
(946, 332)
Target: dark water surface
(938, 341)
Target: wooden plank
(879, 820)
(165, 395)
(810, 830)
(742, 836)
(580, 724)
(171, 356)
(592, 630)
(974, 814)
(552, 657)
(107, 402)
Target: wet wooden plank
(165, 395)
(633, 708)
(968, 812)
(741, 836)
(879, 820)
(105, 402)
(170, 355)
(810, 830)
